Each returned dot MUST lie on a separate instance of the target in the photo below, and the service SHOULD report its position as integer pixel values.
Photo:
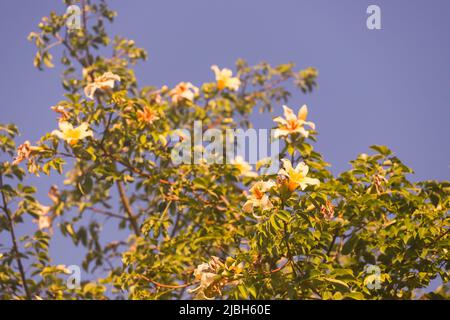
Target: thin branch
(290, 256)
(14, 241)
(127, 207)
(438, 238)
(85, 30)
(175, 225)
(169, 286)
(107, 213)
(277, 269)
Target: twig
(127, 207)
(14, 241)
(88, 55)
(277, 269)
(438, 238)
(107, 213)
(166, 285)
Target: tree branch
(14, 241)
(165, 285)
(127, 207)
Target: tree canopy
(204, 230)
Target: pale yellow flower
(105, 81)
(70, 134)
(45, 220)
(207, 275)
(184, 90)
(225, 79)
(291, 123)
(204, 274)
(258, 197)
(297, 177)
(245, 169)
(147, 115)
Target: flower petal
(303, 113)
(216, 70)
(58, 134)
(288, 113)
(89, 90)
(303, 168)
(248, 206)
(287, 164)
(312, 125)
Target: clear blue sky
(388, 86)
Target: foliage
(188, 235)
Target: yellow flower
(257, 197)
(293, 124)
(147, 115)
(225, 80)
(103, 82)
(298, 176)
(184, 90)
(245, 169)
(70, 134)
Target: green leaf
(385, 151)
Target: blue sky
(386, 86)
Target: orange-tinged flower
(327, 210)
(64, 114)
(147, 115)
(105, 81)
(258, 197)
(225, 79)
(23, 152)
(54, 194)
(184, 90)
(297, 177)
(70, 134)
(291, 123)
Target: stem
(289, 253)
(330, 247)
(127, 207)
(175, 225)
(161, 285)
(85, 31)
(107, 213)
(286, 240)
(14, 241)
(277, 269)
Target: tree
(205, 230)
